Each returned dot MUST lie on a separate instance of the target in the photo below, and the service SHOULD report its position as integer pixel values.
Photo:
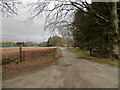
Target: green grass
(59, 50)
(49, 57)
(85, 54)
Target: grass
(49, 57)
(85, 54)
(59, 50)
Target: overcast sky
(14, 29)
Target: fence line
(27, 54)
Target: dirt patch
(12, 70)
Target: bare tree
(61, 12)
(9, 7)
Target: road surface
(71, 71)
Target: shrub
(6, 61)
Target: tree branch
(11, 8)
(95, 13)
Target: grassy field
(85, 54)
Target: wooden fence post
(20, 54)
(91, 51)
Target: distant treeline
(8, 44)
(52, 41)
(14, 44)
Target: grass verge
(59, 51)
(49, 57)
(85, 54)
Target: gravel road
(71, 71)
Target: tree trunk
(114, 26)
(114, 17)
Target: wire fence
(17, 54)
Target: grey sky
(14, 29)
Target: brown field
(13, 69)
(13, 52)
(8, 50)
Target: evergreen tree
(94, 32)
